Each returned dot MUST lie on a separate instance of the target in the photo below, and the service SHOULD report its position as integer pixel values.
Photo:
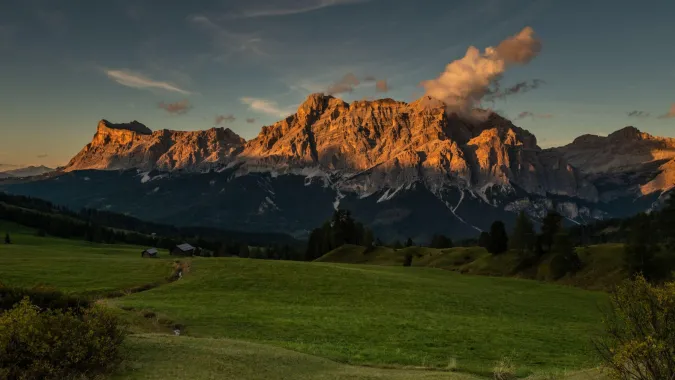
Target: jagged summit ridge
(388, 143)
(125, 146)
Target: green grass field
(74, 266)
(602, 264)
(255, 319)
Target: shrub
(43, 298)
(504, 370)
(407, 259)
(640, 332)
(57, 344)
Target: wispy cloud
(265, 106)
(271, 8)
(382, 85)
(225, 119)
(531, 115)
(226, 42)
(346, 84)
(637, 113)
(496, 92)
(44, 155)
(135, 80)
(177, 108)
(669, 114)
(250, 120)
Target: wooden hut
(184, 249)
(150, 253)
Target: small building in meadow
(184, 249)
(150, 253)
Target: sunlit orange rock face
(647, 161)
(369, 145)
(133, 145)
(389, 143)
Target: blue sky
(64, 65)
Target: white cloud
(228, 43)
(266, 106)
(285, 8)
(134, 80)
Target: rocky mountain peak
(133, 126)
(133, 145)
(628, 134)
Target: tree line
(53, 220)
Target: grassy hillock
(602, 264)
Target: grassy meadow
(258, 319)
(602, 264)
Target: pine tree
(8, 240)
(441, 241)
(499, 240)
(407, 260)
(484, 239)
(397, 245)
(641, 248)
(523, 234)
(409, 243)
(368, 237)
(244, 251)
(551, 225)
(566, 259)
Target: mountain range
(405, 169)
(11, 171)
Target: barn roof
(185, 247)
(152, 251)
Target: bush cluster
(38, 343)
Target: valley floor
(255, 319)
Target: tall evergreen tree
(409, 243)
(641, 248)
(441, 241)
(499, 240)
(484, 239)
(566, 259)
(8, 240)
(523, 234)
(551, 225)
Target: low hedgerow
(55, 344)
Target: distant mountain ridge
(406, 169)
(27, 171)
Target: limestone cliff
(133, 145)
(386, 143)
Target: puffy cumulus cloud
(177, 108)
(225, 119)
(346, 84)
(382, 85)
(466, 81)
(250, 120)
(669, 114)
(637, 113)
(135, 80)
(531, 115)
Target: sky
(243, 64)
